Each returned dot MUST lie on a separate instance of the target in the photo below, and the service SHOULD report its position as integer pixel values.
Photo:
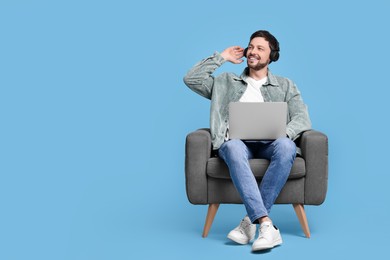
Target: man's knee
(285, 146)
(233, 148)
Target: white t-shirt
(252, 92)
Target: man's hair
(272, 41)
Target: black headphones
(273, 56)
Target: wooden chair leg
(300, 211)
(211, 212)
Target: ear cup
(245, 52)
(274, 55)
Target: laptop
(257, 120)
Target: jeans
(258, 199)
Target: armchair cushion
(216, 168)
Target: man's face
(258, 53)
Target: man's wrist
(219, 58)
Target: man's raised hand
(233, 54)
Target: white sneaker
(269, 237)
(244, 232)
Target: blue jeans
(258, 199)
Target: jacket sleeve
(299, 116)
(200, 78)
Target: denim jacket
(228, 87)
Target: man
(256, 84)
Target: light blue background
(94, 115)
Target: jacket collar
(271, 79)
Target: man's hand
(233, 54)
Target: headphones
(273, 56)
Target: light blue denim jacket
(228, 87)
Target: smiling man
(256, 84)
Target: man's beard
(258, 66)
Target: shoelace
(263, 229)
(243, 226)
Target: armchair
(208, 179)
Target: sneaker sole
(237, 240)
(259, 248)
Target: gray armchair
(208, 179)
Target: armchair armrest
(198, 151)
(314, 146)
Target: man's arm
(299, 116)
(200, 78)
